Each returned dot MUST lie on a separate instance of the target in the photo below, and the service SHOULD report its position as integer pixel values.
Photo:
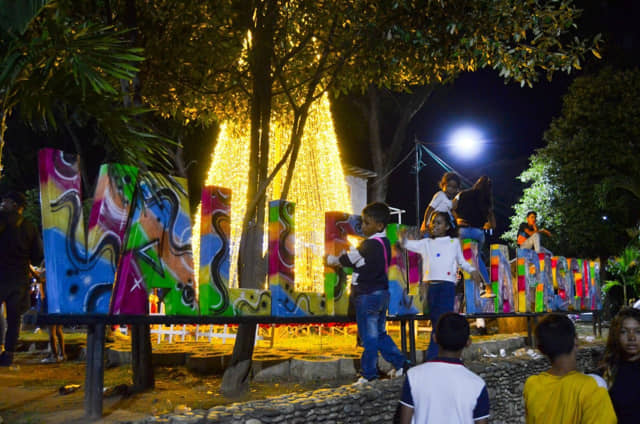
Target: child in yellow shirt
(562, 394)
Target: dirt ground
(31, 390)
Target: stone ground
(31, 390)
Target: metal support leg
(403, 336)
(94, 373)
(412, 341)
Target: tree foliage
(60, 71)
(429, 44)
(592, 141)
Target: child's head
(531, 217)
(556, 336)
(452, 332)
(440, 225)
(450, 184)
(375, 217)
(624, 334)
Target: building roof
(359, 172)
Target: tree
(538, 196)
(590, 142)
(433, 44)
(61, 72)
(625, 268)
(266, 60)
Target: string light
(318, 185)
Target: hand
(331, 260)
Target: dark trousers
(16, 303)
(440, 298)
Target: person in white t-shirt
(441, 256)
(441, 201)
(444, 390)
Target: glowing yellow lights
(318, 185)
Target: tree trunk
(384, 159)
(251, 264)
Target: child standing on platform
(441, 256)
(370, 286)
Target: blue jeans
(371, 317)
(440, 299)
(476, 234)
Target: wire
(378, 180)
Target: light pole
(418, 148)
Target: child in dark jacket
(370, 286)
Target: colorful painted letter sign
(137, 246)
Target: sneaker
(396, 373)
(6, 359)
(49, 360)
(486, 292)
(62, 358)
(360, 381)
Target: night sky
(512, 119)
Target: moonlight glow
(466, 142)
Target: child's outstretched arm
(408, 242)
(462, 262)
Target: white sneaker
(396, 373)
(49, 360)
(360, 381)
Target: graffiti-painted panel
(562, 283)
(474, 303)
(158, 252)
(80, 271)
(501, 282)
(281, 254)
(250, 302)
(215, 252)
(545, 292)
(529, 281)
(576, 280)
(594, 288)
(338, 225)
(405, 266)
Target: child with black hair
(562, 394)
(444, 390)
(370, 288)
(621, 364)
(441, 256)
(441, 201)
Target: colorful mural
(215, 251)
(337, 226)
(501, 282)
(562, 284)
(158, 251)
(81, 269)
(404, 298)
(473, 302)
(145, 245)
(285, 301)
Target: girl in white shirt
(441, 201)
(441, 256)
